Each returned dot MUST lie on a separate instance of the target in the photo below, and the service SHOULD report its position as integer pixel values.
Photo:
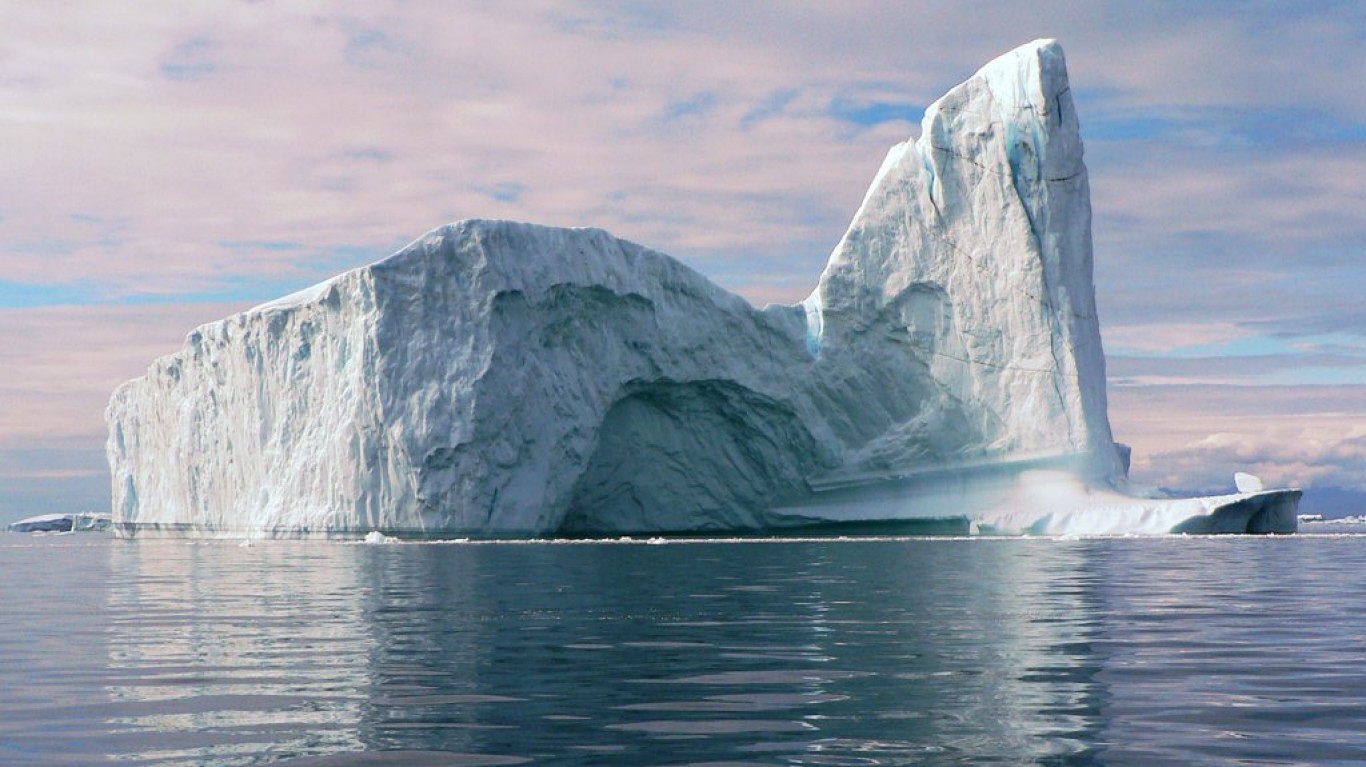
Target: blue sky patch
(23, 295)
(615, 22)
(1224, 126)
(371, 48)
(41, 248)
(313, 266)
(1130, 129)
(693, 106)
(772, 106)
(869, 113)
(370, 154)
(507, 191)
(1295, 125)
(190, 60)
(274, 245)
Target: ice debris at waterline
(505, 379)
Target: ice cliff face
(496, 378)
(492, 377)
(968, 269)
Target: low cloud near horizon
(169, 164)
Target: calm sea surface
(1180, 651)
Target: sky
(163, 165)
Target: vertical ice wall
(965, 278)
(491, 378)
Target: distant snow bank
(1319, 519)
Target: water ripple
(881, 652)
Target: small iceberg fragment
(1332, 522)
(78, 522)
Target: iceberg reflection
(606, 653)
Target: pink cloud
(223, 122)
(274, 135)
(1197, 436)
(62, 363)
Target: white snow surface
(505, 379)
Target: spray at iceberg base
(498, 379)
(1032, 497)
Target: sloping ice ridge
(505, 379)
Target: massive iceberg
(505, 379)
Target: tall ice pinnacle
(973, 249)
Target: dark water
(1181, 651)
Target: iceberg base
(1048, 496)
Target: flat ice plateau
(503, 379)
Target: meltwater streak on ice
(1174, 650)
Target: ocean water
(1173, 650)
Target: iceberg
(503, 379)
